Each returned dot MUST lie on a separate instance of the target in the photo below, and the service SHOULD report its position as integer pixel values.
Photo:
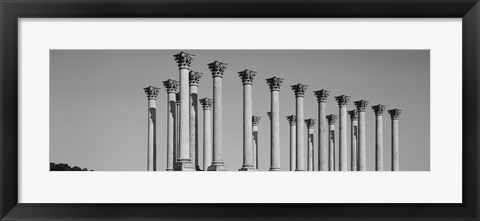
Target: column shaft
(395, 150)
(193, 109)
(343, 138)
(331, 148)
(292, 146)
(207, 139)
(247, 128)
(300, 146)
(354, 141)
(275, 132)
(152, 140)
(322, 138)
(171, 106)
(379, 143)
(184, 116)
(310, 150)
(362, 152)
(255, 146)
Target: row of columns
(182, 126)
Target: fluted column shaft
(275, 132)
(207, 139)
(255, 146)
(395, 152)
(152, 139)
(353, 138)
(152, 93)
(310, 149)
(331, 147)
(394, 115)
(323, 140)
(171, 108)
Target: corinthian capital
(353, 115)
(342, 100)
(206, 103)
(332, 119)
(151, 92)
(394, 113)
(194, 78)
(256, 120)
(310, 123)
(299, 89)
(183, 59)
(361, 105)
(217, 68)
(171, 86)
(247, 76)
(274, 83)
(322, 95)
(292, 120)
(379, 109)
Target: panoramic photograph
(240, 110)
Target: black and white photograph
(240, 110)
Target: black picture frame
(12, 10)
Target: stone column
(217, 68)
(152, 93)
(394, 115)
(342, 144)
(310, 143)
(378, 110)
(354, 138)
(184, 162)
(247, 77)
(274, 83)
(194, 79)
(322, 96)
(255, 122)
(207, 104)
(331, 144)
(292, 120)
(299, 90)
(177, 130)
(362, 151)
(171, 87)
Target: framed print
(287, 110)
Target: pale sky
(98, 110)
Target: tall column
(274, 83)
(247, 77)
(299, 90)
(322, 96)
(207, 104)
(184, 162)
(310, 143)
(331, 144)
(292, 120)
(152, 93)
(217, 68)
(354, 138)
(255, 122)
(362, 145)
(342, 144)
(171, 87)
(394, 115)
(194, 79)
(378, 110)
(177, 129)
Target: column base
(217, 167)
(299, 170)
(275, 169)
(169, 169)
(184, 166)
(197, 168)
(247, 168)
